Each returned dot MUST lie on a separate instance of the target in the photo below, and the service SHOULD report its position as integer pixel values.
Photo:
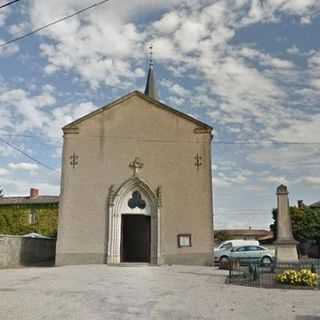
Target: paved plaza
(141, 292)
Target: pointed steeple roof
(151, 88)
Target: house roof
(315, 205)
(245, 232)
(28, 200)
(141, 95)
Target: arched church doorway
(135, 238)
(133, 224)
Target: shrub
(303, 277)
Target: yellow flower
(304, 277)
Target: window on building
(184, 240)
(136, 201)
(33, 216)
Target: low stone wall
(18, 251)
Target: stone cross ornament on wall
(74, 160)
(136, 165)
(198, 161)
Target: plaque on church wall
(184, 240)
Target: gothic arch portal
(118, 200)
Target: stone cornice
(71, 130)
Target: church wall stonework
(105, 145)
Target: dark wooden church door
(135, 238)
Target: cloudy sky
(249, 68)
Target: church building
(136, 185)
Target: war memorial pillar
(286, 246)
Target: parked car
(229, 244)
(247, 254)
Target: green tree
(221, 236)
(309, 228)
(305, 223)
(296, 215)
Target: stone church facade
(136, 186)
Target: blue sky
(249, 68)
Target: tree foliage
(309, 227)
(305, 223)
(221, 236)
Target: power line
(52, 23)
(263, 143)
(226, 210)
(264, 214)
(8, 4)
(5, 133)
(33, 137)
(235, 142)
(26, 154)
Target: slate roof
(28, 200)
(151, 88)
(141, 95)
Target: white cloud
(102, 46)
(300, 130)
(275, 180)
(306, 20)
(223, 180)
(312, 181)
(293, 50)
(22, 105)
(8, 50)
(63, 115)
(21, 187)
(168, 23)
(4, 15)
(249, 92)
(179, 90)
(287, 156)
(193, 40)
(17, 29)
(3, 172)
(38, 111)
(23, 166)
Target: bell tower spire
(151, 88)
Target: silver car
(247, 254)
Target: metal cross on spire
(151, 54)
(151, 88)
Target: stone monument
(286, 246)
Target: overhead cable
(50, 24)
(8, 4)
(26, 154)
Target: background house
(32, 213)
(243, 234)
